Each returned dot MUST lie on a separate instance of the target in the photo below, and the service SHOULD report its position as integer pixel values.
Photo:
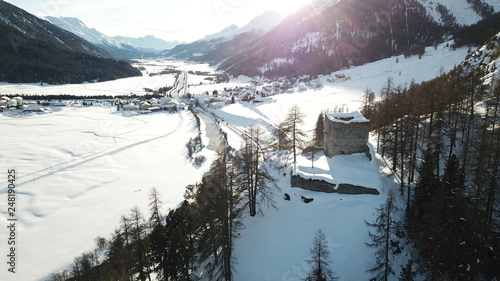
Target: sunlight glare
(287, 7)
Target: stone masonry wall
(345, 138)
(323, 186)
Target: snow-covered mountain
(112, 46)
(31, 26)
(34, 50)
(328, 35)
(261, 24)
(79, 28)
(225, 33)
(118, 46)
(217, 46)
(148, 43)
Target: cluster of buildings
(19, 103)
(6, 102)
(151, 105)
(132, 104)
(255, 92)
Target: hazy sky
(186, 20)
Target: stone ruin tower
(345, 133)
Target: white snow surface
(350, 117)
(353, 169)
(81, 168)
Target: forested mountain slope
(329, 35)
(34, 50)
(442, 138)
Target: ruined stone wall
(345, 138)
(323, 186)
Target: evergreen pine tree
(117, 258)
(155, 206)
(319, 130)
(250, 171)
(407, 273)
(320, 260)
(423, 192)
(178, 233)
(292, 123)
(217, 215)
(384, 240)
(444, 240)
(159, 249)
(140, 248)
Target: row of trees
(441, 227)
(434, 134)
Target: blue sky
(185, 20)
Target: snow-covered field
(80, 168)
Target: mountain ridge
(115, 48)
(34, 50)
(216, 46)
(120, 47)
(148, 43)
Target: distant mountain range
(34, 50)
(218, 46)
(148, 43)
(119, 47)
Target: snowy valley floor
(80, 169)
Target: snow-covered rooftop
(352, 117)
